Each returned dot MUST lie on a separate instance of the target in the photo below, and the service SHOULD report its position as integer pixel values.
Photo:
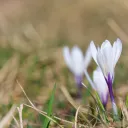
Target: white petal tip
(119, 43)
(76, 48)
(107, 42)
(65, 47)
(118, 40)
(92, 42)
(92, 46)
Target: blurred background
(33, 33)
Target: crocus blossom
(106, 58)
(100, 85)
(75, 59)
(77, 62)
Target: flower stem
(78, 80)
(109, 83)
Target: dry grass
(37, 31)
(27, 22)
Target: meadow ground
(32, 35)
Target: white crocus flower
(77, 62)
(74, 60)
(106, 58)
(100, 85)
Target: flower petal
(67, 58)
(102, 62)
(88, 57)
(77, 60)
(107, 52)
(100, 84)
(105, 44)
(93, 51)
(117, 49)
(99, 80)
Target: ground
(32, 35)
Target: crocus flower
(100, 85)
(77, 62)
(106, 58)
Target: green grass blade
(49, 110)
(102, 109)
(99, 102)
